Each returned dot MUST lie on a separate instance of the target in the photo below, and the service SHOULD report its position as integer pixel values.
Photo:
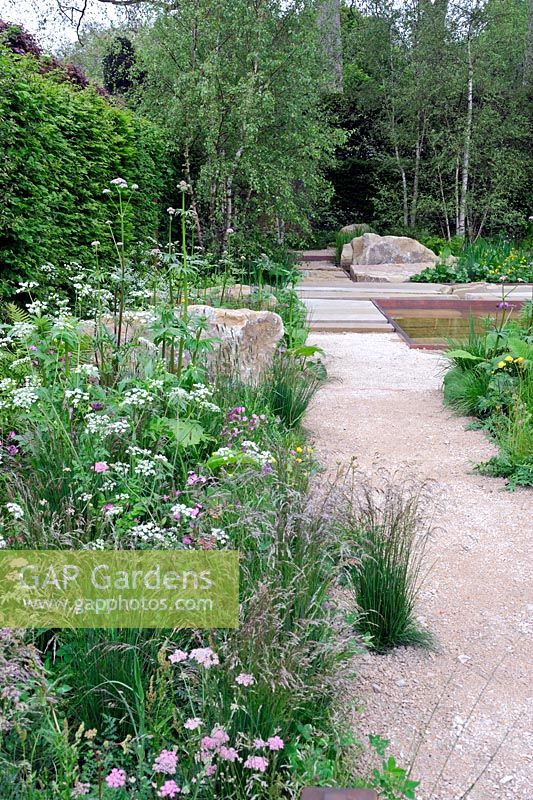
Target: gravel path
(471, 699)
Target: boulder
(238, 292)
(357, 228)
(385, 273)
(247, 340)
(346, 256)
(373, 249)
(244, 339)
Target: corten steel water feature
(427, 323)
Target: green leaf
(306, 351)
(520, 349)
(186, 432)
(463, 354)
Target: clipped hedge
(60, 145)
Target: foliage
(249, 157)
(418, 154)
(492, 378)
(60, 145)
(491, 261)
(387, 530)
(145, 449)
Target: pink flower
(275, 743)
(228, 754)
(177, 656)
(256, 762)
(245, 679)
(204, 656)
(208, 743)
(192, 724)
(166, 762)
(217, 739)
(116, 778)
(80, 789)
(260, 743)
(100, 466)
(220, 736)
(193, 479)
(169, 789)
(210, 770)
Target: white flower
(98, 544)
(90, 370)
(24, 397)
(145, 467)
(76, 397)
(21, 330)
(171, 211)
(136, 397)
(134, 186)
(220, 535)
(106, 191)
(36, 306)
(16, 511)
(25, 286)
(120, 182)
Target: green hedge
(59, 148)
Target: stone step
(345, 326)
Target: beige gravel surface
(467, 706)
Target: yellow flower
(508, 358)
(299, 449)
(519, 360)
(298, 460)
(501, 364)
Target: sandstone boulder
(346, 256)
(247, 340)
(373, 249)
(239, 292)
(357, 228)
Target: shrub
(60, 146)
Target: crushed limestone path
(471, 699)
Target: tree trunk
(194, 207)
(229, 200)
(467, 143)
(405, 201)
(420, 134)
(444, 208)
(329, 22)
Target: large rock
(357, 228)
(385, 273)
(247, 340)
(346, 255)
(373, 249)
(244, 339)
(239, 292)
(388, 258)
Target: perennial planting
(117, 438)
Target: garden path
(470, 698)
